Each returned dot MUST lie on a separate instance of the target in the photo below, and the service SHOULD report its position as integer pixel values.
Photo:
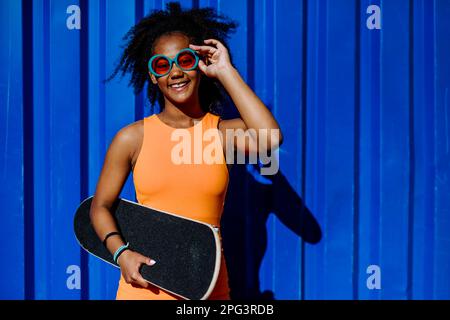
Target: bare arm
(256, 122)
(116, 168)
(115, 171)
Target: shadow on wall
(247, 208)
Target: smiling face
(179, 87)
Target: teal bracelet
(119, 251)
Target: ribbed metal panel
(364, 169)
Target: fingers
(202, 66)
(140, 281)
(217, 43)
(133, 275)
(203, 49)
(146, 260)
(209, 49)
(136, 278)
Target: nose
(175, 72)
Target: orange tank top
(182, 171)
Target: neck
(182, 112)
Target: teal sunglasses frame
(172, 61)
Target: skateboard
(187, 252)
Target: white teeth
(179, 85)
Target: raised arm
(255, 116)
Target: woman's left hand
(217, 57)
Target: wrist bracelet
(119, 251)
(109, 235)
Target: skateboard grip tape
(185, 251)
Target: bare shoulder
(118, 162)
(131, 137)
(132, 131)
(127, 135)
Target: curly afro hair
(197, 25)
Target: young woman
(184, 58)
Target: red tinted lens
(160, 65)
(186, 60)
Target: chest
(170, 166)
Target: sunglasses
(160, 65)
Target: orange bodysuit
(164, 179)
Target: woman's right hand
(130, 262)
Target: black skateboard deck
(187, 252)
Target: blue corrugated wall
(364, 170)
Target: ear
(153, 78)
